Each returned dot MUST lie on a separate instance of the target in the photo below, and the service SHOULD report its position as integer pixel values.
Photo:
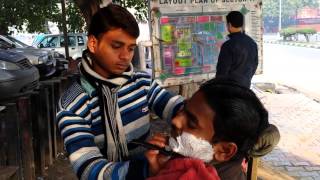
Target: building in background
(308, 18)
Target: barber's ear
(224, 151)
(92, 43)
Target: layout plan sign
(187, 36)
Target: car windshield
(37, 40)
(4, 44)
(17, 42)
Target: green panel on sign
(184, 62)
(184, 48)
(206, 26)
(212, 26)
(166, 33)
(219, 36)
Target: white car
(77, 42)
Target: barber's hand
(155, 159)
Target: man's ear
(92, 43)
(224, 151)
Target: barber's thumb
(152, 152)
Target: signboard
(187, 36)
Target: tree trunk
(89, 7)
(3, 30)
(307, 37)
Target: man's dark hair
(239, 115)
(111, 17)
(235, 18)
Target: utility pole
(64, 27)
(280, 14)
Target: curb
(293, 44)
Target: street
(295, 114)
(297, 67)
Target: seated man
(219, 125)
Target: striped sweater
(80, 122)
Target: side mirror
(13, 46)
(41, 46)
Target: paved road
(297, 155)
(297, 67)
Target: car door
(51, 43)
(81, 46)
(72, 44)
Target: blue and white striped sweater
(79, 120)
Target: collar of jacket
(235, 34)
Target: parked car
(77, 42)
(61, 62)
(17, 74)
(44, 60)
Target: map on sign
(187, 36)
(190, 44)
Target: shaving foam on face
(190, 146)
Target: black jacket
(238, 58)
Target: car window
(4, 44)
(80, 41)
(71, 41)
(17, 42)
(49, 42)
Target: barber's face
(112, 52)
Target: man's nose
(125, 55)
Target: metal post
(280, 14)
(64, 26)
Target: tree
(140, 7)
(32, 13)
(75, 21)
(270, 8)
(290, 9)
(89, 7)
(35, 14)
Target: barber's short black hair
(235, 18)
(113, 16)
(239, 115)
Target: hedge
(290, 33)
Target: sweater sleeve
(162, 102)
(74, 122)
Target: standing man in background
(238, 58)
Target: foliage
(289, 7)
(287, 33)
(291, 33)
(140, 7)
(35, 14)
(270, 8)
(32, 13)
(75, 21)
(306, 31)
